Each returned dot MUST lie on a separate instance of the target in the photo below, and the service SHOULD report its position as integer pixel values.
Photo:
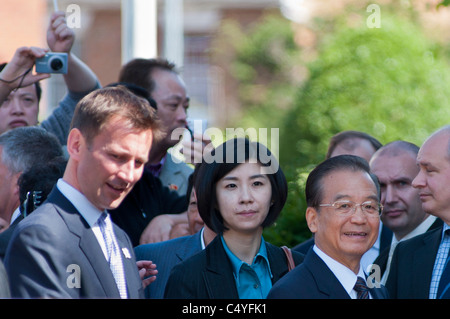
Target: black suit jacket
(209, 273)
(382, 259)
(54, 253)
(314, 280)
(148, 199)
(412, 266)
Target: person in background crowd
(395, 166)
(20, 91)
(20, 150)
(148, 219)
(353, 143)
(420, 267)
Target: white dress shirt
(345, 275)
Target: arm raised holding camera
(80, 79)
(18, 72)
(60, 38)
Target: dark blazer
(4, 284)
(6, 236)
(412, 266)
(209, 273)
(314, 280)
(148, 199)
(382, 259)
(166, 255)
(54, 253)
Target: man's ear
(312, 219)
(15, 183)
(75, 142)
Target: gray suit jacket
(166, 255)
(4, 284)
(175, 175)
(53, 253)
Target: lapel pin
(126, 253)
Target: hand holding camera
(60, 39)
(17, 72)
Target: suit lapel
(218, 274)
(191, 246)
(423, 261)
(326, 281)
(87, 242)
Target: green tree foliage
(390, 82)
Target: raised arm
(60, 38)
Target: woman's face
(244, 198)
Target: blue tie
(361, 288)
(114, 258)
(444, 284)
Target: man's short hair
(24, 147)
(314, 182)
(396, 148)
(346, 135)
(98, 107)
(209, 173)
(139, 72)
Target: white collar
(14, 215)
(420, 229)
(345, 275)
(89, 212)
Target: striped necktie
(361, 289)
(444, 284)
(114, 258)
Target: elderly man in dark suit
(68, 247)
(420, 267)
(343, 213)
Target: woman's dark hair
(227, 157)
(314, 183)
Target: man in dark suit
(343, 213)
(395, 166)
(68, 247)
(363, 145)
(418, 264)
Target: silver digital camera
(52, 62)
